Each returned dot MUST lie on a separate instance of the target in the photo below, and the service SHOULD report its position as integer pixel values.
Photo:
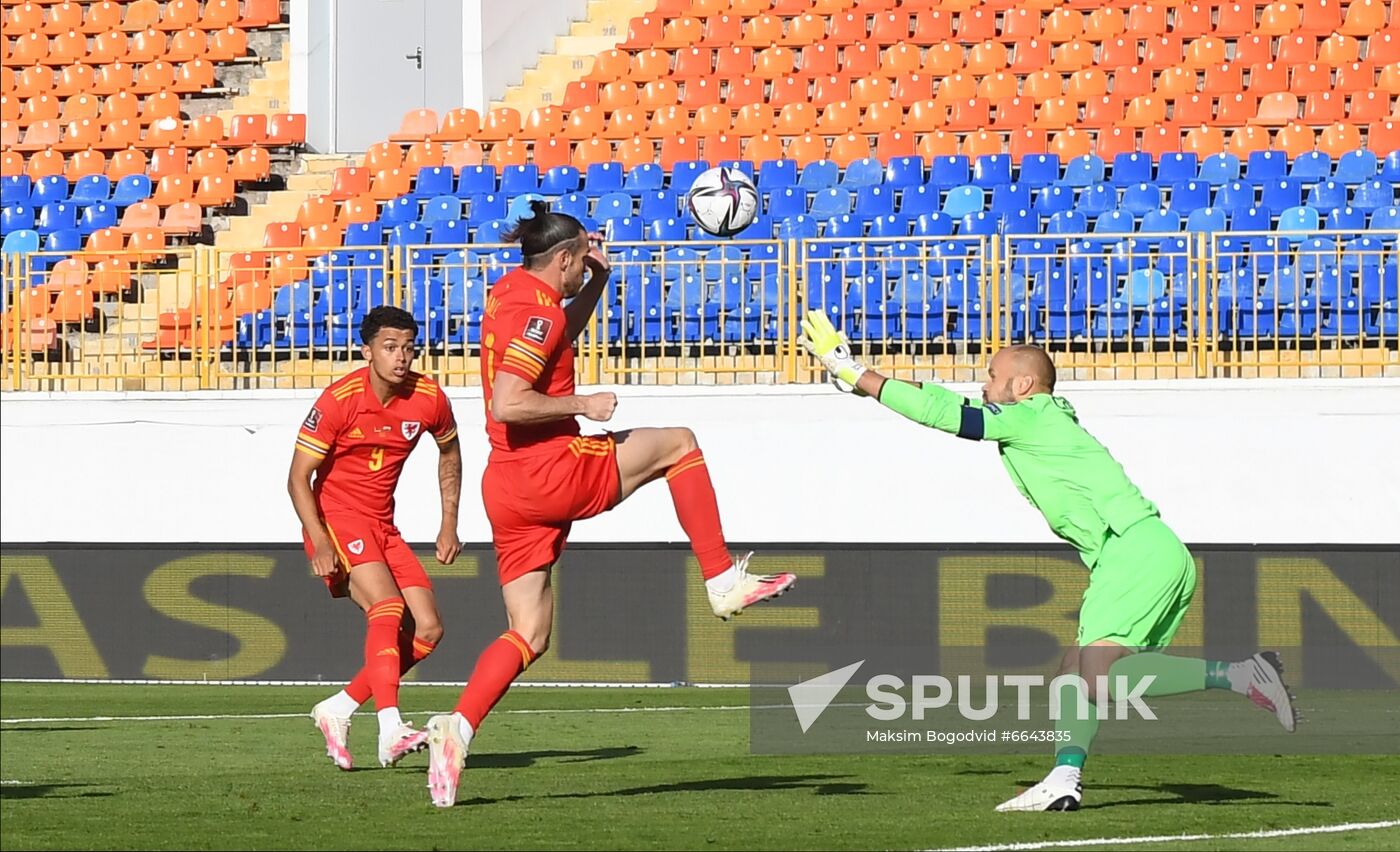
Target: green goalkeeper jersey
(1058, 466)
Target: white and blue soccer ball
(723, 201)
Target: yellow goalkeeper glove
(832, 349)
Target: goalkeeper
(1141, 577)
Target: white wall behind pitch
(1228, 461)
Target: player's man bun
(542, 232)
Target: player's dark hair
(543, 233)
(386, 316)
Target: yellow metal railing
(1108, 305)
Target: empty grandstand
(1150, 189)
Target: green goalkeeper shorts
(1140, 588)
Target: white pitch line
(1179, 838)
(35, 720)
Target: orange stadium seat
(251, 165)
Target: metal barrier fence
(1109, 305)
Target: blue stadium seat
(408, 234)
(904, 173)
(933, 224)
(1083, 171)
(91, 189)
(1386, 219)
(1161, 222)
(1206, 219)
(1054, 199)
(800, 227)
(742, 165)
(1010, 198)
(667, 230)
(47, 190)
(833, 201)
(660, 204)
(991, 170)
(1347, 218)
(56, 216)
(1279, 195)
(643, 177)
(1327, 196)
(683, 174)
(434, 181)
(1096, 200)
(945, 173)
(602, 178)
(1140, 198)
(872, 201)
(818, 175)
(1131, 168)
(130, 190)
(15, 189)
(1251, 219)
(919, 200)
(574, 204)
(776, 174)
(1298, 219)
(476, 180)
(520, 179)
(67, 241)
(616, 205)
(889, 225)
(1020, 222)
(1372, 195)
(443, 208)
(843, 227)
(560, 180)
(1177, 168)
(1353, 167)
(1220, 169)
(1311, 167)
(97, 216)
(1234, 196)
(16, 217)
(1039, 170)
(1067, 222)
(20, 241)
(451, 232)
(400, 210)
(1190, 196)
(1390, 167)
(1114, 222)
(964, 200)
(979, 224)
(787, 202)
(1266, 165)
(364, 234)
(863, 173)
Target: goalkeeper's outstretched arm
(930, 405)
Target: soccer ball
(722, 201)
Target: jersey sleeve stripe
(315, 442)
(310, 451)
(971, 426)
(525, 369)
(529, 349)
(446, 437)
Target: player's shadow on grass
(518, 759)
(48, 729)
(43, 791)
(1198, 794)
(820, 785)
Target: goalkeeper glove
(832, 349)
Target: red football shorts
(533, 500)
(359, 541)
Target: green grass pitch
(601, 768)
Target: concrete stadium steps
(604, 27)
(312, 176)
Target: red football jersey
(364, 444)
(522, 333)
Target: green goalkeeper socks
(1170, 676)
